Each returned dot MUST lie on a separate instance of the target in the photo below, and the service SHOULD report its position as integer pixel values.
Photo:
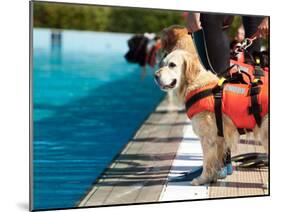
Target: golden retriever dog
(182, 73)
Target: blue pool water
(88, 103)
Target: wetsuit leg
(217, 41)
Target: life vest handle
(247, 74)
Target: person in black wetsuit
(216, 37)
(218, 48)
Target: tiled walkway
(164, 147)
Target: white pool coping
(189, 156)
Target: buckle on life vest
(258, 61)
(256, 82)
(221, 81)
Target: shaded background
(109, 19)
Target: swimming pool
(87, 104)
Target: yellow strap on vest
(221, 81)
(258, 61)
(256, 80)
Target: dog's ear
(191, 67)
(190, 70)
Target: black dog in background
(137, 50)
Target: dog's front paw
(199, 181)
(203, 180)
(195, 182)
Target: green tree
(113, 19)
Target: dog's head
(177, 70)
(171, 35)
(176, 37)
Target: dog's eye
(172, 65)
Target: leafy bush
(112, 19)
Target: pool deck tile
(162, 148)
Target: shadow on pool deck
(168, 139)
(145, 162)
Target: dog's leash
(246, 43)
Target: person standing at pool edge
(216, 38)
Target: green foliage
(112, 19)
(236, 23)
(67, 16)
(142, 20)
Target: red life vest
(235, 103)
(151, 56)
